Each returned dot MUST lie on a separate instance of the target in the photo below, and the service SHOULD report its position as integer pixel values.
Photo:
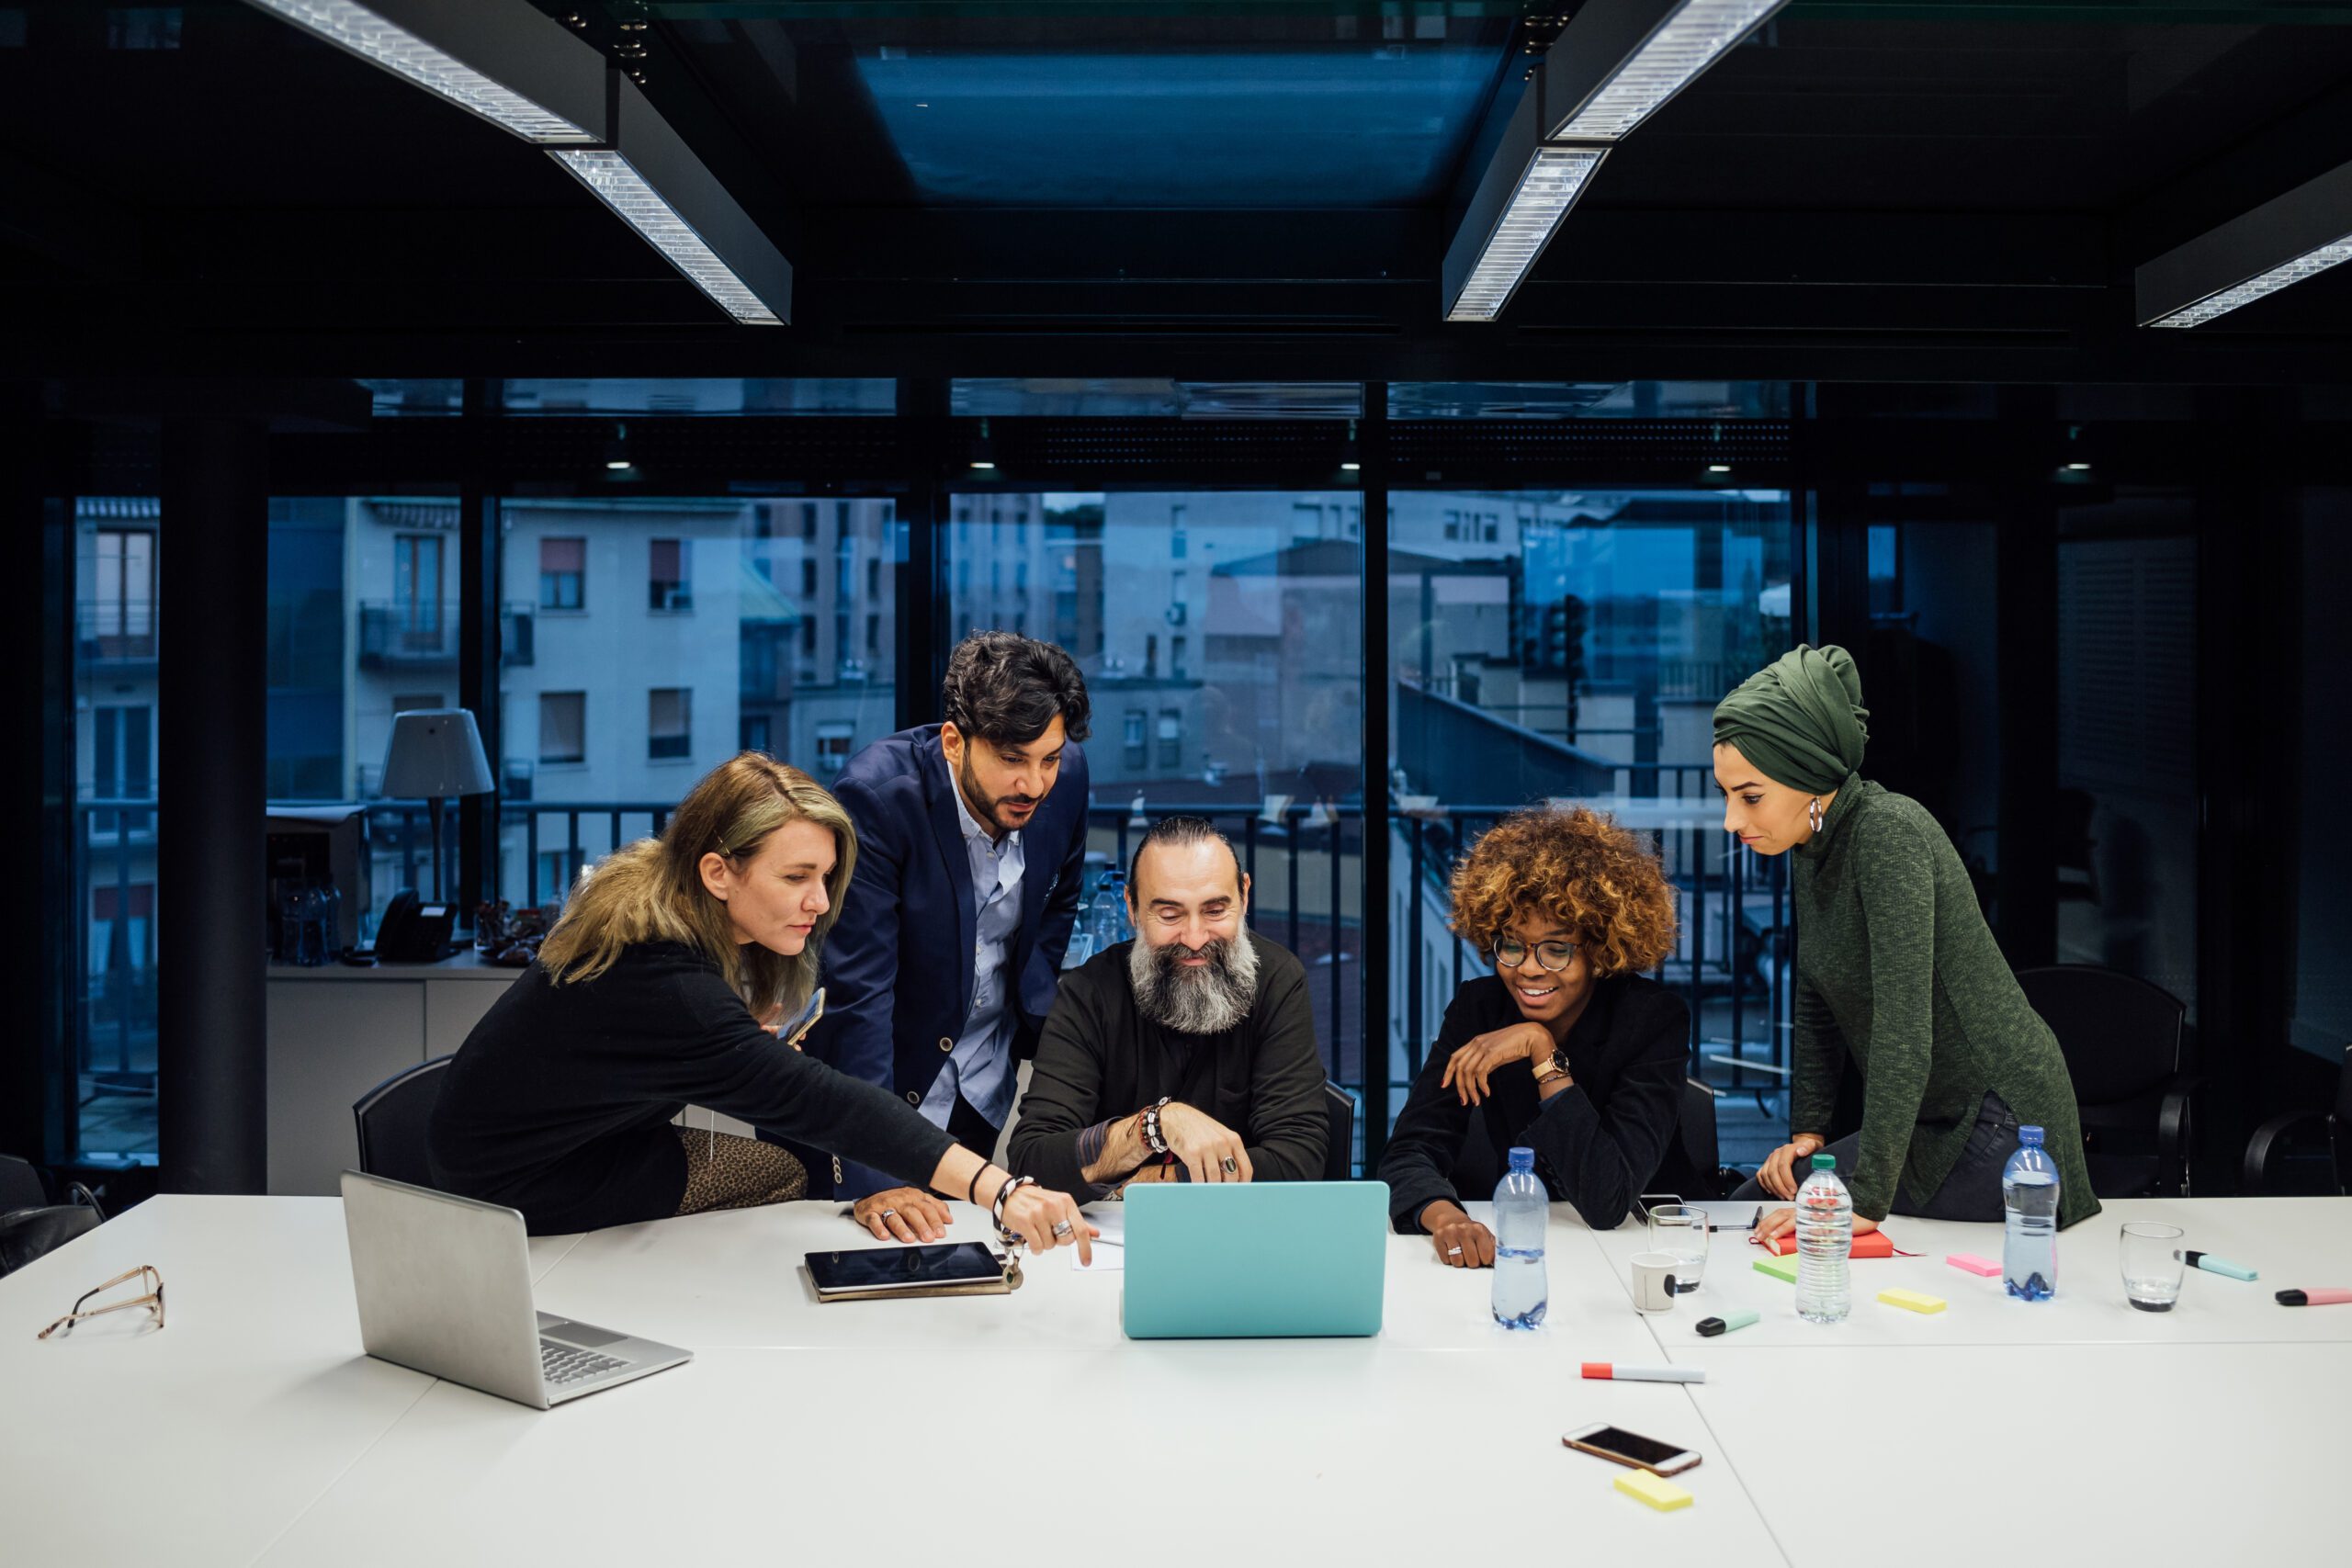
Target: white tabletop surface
(2288, 1241)
(252, 1429)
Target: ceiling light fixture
(2310, 264)
(984, 451)
(1546, 188)
(506, 63)
(2298, 236)
(1671, 45)
(632, 198)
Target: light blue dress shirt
(980, 1066)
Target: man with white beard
(1186, 1055)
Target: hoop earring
(1813, 813)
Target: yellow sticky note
(1656, 1490)
(1912, 1301)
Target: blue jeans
(1972, 1190)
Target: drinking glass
(1680, 1231)
(2152, 1265)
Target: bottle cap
(2029, 1137)
(1522, 1160)
(1824, 1162)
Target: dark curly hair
(1006, 688)
(1578, 868)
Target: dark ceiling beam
(2283, 229)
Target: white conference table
(252, 1431)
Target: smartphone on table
(1629, 1448)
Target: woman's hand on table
(902, 1213)
(1460, 1241)
(1780, 1221)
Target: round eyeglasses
(1511, 953)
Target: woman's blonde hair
(1578, 869)
(652, 890)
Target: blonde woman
(656, 990)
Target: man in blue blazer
(971, 854)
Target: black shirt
(1597, 1142)
(1099, 1058)
(559, 1103)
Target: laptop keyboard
(561, 1364)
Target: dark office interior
(1129, 324)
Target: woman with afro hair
(1568, 1048)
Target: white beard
(1209, 1000)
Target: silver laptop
(445, 1287)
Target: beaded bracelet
(1012, 1184)
(1151, 1138)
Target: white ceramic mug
(1654, 1281)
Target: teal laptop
(1255, 1260)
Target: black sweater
(559, 1103)
(1597, 1142)
(1098, 1058)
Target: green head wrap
(1800, 718)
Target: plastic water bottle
(2030, 1194)
(1121, 927)
(1522, 1210)
(1825, 1243)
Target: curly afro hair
(1577, 867)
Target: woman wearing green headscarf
(1896, 970)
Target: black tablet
(868, 1269)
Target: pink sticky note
(1973, 1264)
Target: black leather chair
(1693, 1167)
(2126, 1044)
(2275, 1136)
(31, 1225)
(1340, 1157)
(391, 1119)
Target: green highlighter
(1782, 1269)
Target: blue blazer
(897, 965)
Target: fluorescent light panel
(1684, 45)
(363, 33)
(622, 188)
(2309, 265)
(1545, 192)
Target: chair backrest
(391, 1119)
(1696, 1134)
(29, 1233)
(21, 1185)
(1339, 1158)
(2123, 1037)
(2339, 1126)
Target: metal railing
(422, 634)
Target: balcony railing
(115, 633)
(404, 635)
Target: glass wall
(1219, 632)
(648, 639)
(1571, 646)
(117, 645)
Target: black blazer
(1597, 1142)
(897, 965)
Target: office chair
(31, 1225)
(391, 1119)
(2272, 1135)
(2125, 1043)
(1340, 1157)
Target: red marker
(1611, 1372)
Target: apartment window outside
(122, 608)
(1171, 740)
(1132, 741)
(669, 580)
(833, 743)
(563, 726)
(669, 723)
(416, 592)
(564, 574)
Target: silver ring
(1061, 1231)
(1453, 1252)
(1228, 1166)
(889, 1214)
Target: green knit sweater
(1896, 969)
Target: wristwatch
(1556, 1066)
